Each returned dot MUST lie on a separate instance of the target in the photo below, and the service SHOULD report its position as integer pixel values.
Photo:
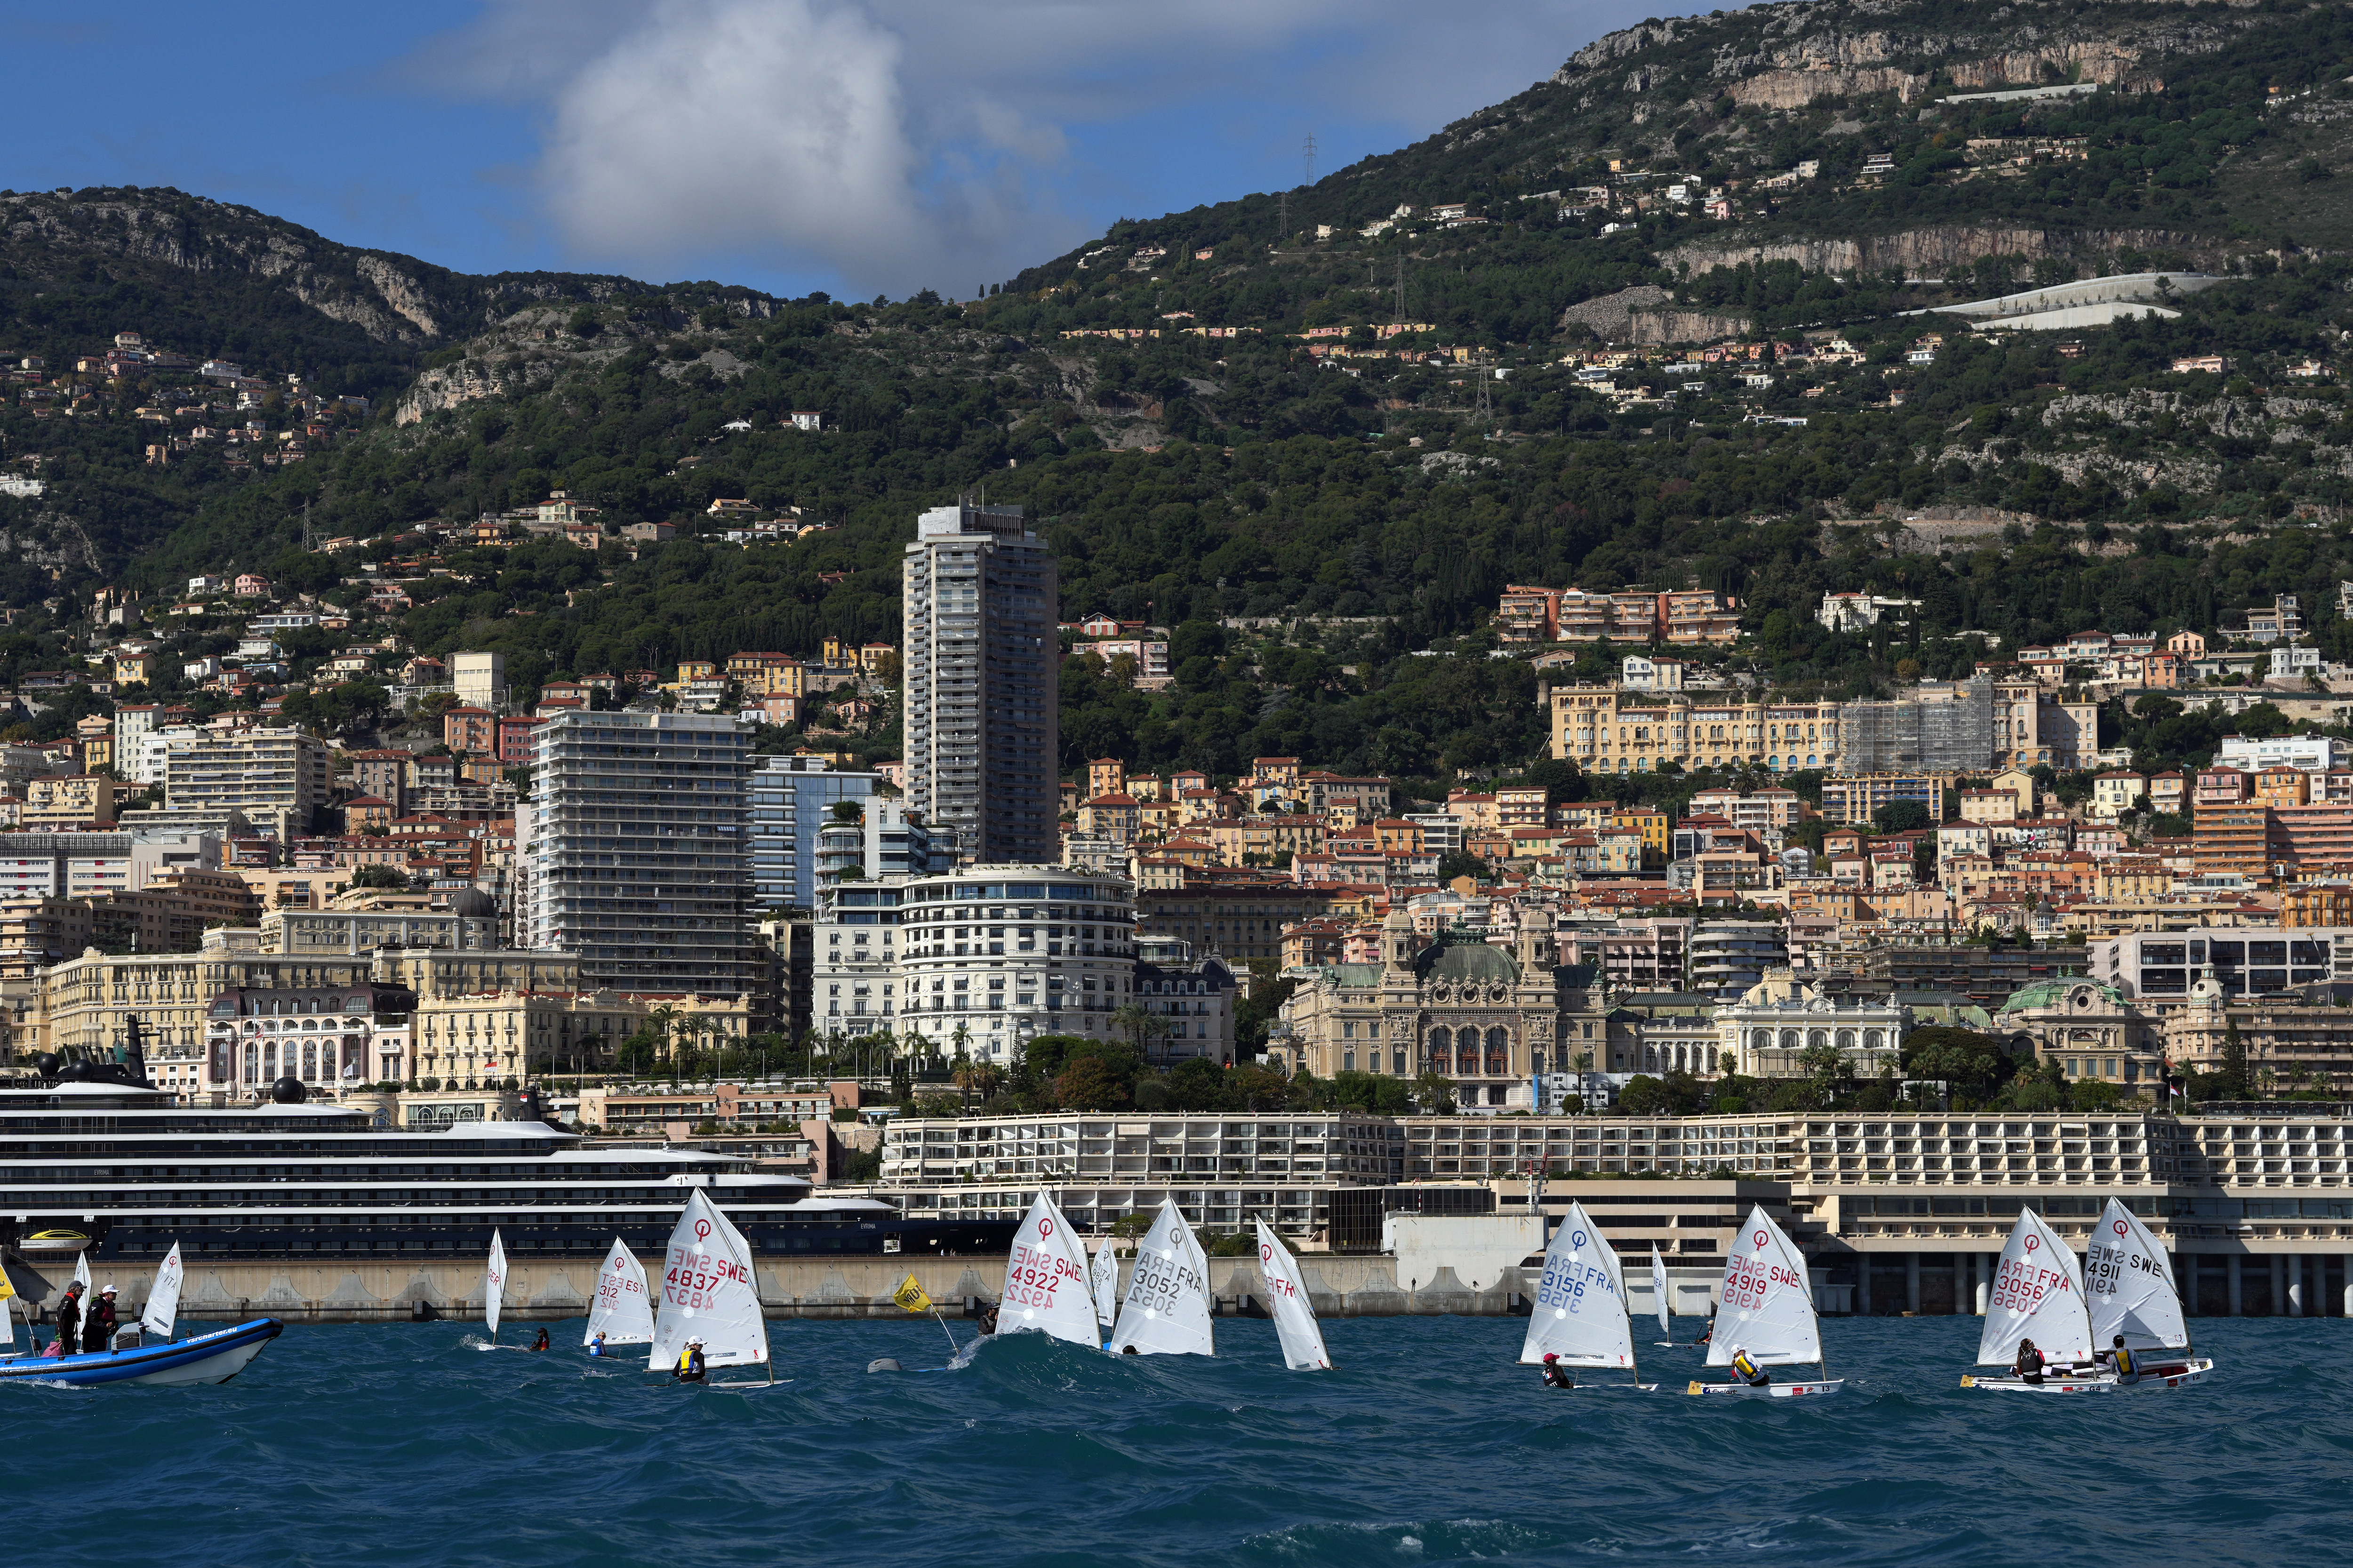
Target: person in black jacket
(2029, 1361)
(97, 1325)
(1555, 1375)
(70, 1320)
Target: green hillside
(1371, 506)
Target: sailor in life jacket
(690, 1363)
(1745, 1368)
(2121, 1360)
(1557, 1374)
(596, 1345)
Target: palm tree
(962, 1037)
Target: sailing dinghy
(1768, 1311)
(1167, 1308)
(494, 1287)
(1103, 1278)
(623, 1312)
(1286, 1298)
(1659, 1297)
(709, 1293)
(1046, 1279)
(161, 1308)
(2129, 1286)
(2038, 1294)
(1579, 1317)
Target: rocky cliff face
(1940, 251)
(1792, 54)
(392, 298)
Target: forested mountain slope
(1201, 461)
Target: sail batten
(1580, 1314)
(1295, 1315)
(1167, 1308)
(709, 1292)
(623, 1310)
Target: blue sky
(859, 146)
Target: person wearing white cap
(98, 1327)
(691, 1368)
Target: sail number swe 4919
(1751, 1281)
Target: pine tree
(2234, 1063)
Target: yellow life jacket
(1744, 1366)
(2124, 1362)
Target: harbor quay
(1882, 1251)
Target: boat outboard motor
(288, 1091)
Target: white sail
(495, 1284)
(622, 1313)
(1659, 1293)
(1046, 1279)
(81, 1275)
(1103, 1277)
(709, 1293)
(1167, 1307)
(2129, 1285)
(2038, 1294)
(163, 1304)
(1580, 1307)
(1286, 1298)
(1768, 1304)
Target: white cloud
(736, 125)
(902, 143)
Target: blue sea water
(401, 1445)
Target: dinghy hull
(207, 1358)
(1817, 1390)
(2170, 1375)
(2011, 1383)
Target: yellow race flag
(910, 1296)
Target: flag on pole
(911, 1297)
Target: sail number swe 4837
(695, 1282)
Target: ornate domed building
(2088, 1029)
(1486, 1017)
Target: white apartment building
(984, 958)
(2312, 753)
(277, 778)
(981, 666)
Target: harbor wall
(2316, 1284)
(545, 1291)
